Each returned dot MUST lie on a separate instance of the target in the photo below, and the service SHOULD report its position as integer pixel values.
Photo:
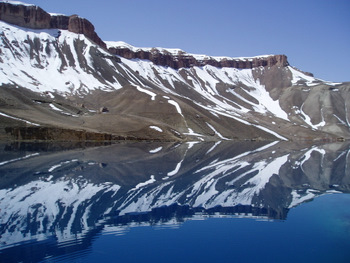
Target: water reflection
(63, 197)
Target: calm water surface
(165, 202)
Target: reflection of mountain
(72, 194)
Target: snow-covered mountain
(58, 79)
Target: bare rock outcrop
(24, 15)
(31, 16)
(83, 26)
(185, 60)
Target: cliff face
(24, 15)
(77, 25)
(184, 60)
(31, 16)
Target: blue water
(120, 203)
(314, 232)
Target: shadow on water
(56, 199)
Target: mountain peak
(32, 16)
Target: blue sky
(314, 34)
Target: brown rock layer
(25, 16)
(184, 60)
(60, 134)
(34, 17)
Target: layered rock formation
(185, 60)
(31, 16)
(24, 15)
(78, 25)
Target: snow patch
(18, 119)
(177, 106)
(298, 199)
(216, 132)
(156, 128)
(61, 111)
(16, 3)
(299, 76)
(148, 92)
(156, 150)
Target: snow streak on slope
(18, 119)
(299, 76)
(150, 93)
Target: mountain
(60, 81)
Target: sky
(314, 34)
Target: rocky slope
(56, 73)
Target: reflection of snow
(60, 164)
(18, 159)
(150, 181)
(156, 150)
(176, 170)
(220, 181)
(298, 199)
(258, 182)
(48, 202)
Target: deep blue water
(318, 231)
(185, 203)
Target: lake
(175, 202)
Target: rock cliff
(185, 60)
(31, 16)
(78, 25)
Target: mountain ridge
(177, 58)
(31, 16)
(58, 78)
